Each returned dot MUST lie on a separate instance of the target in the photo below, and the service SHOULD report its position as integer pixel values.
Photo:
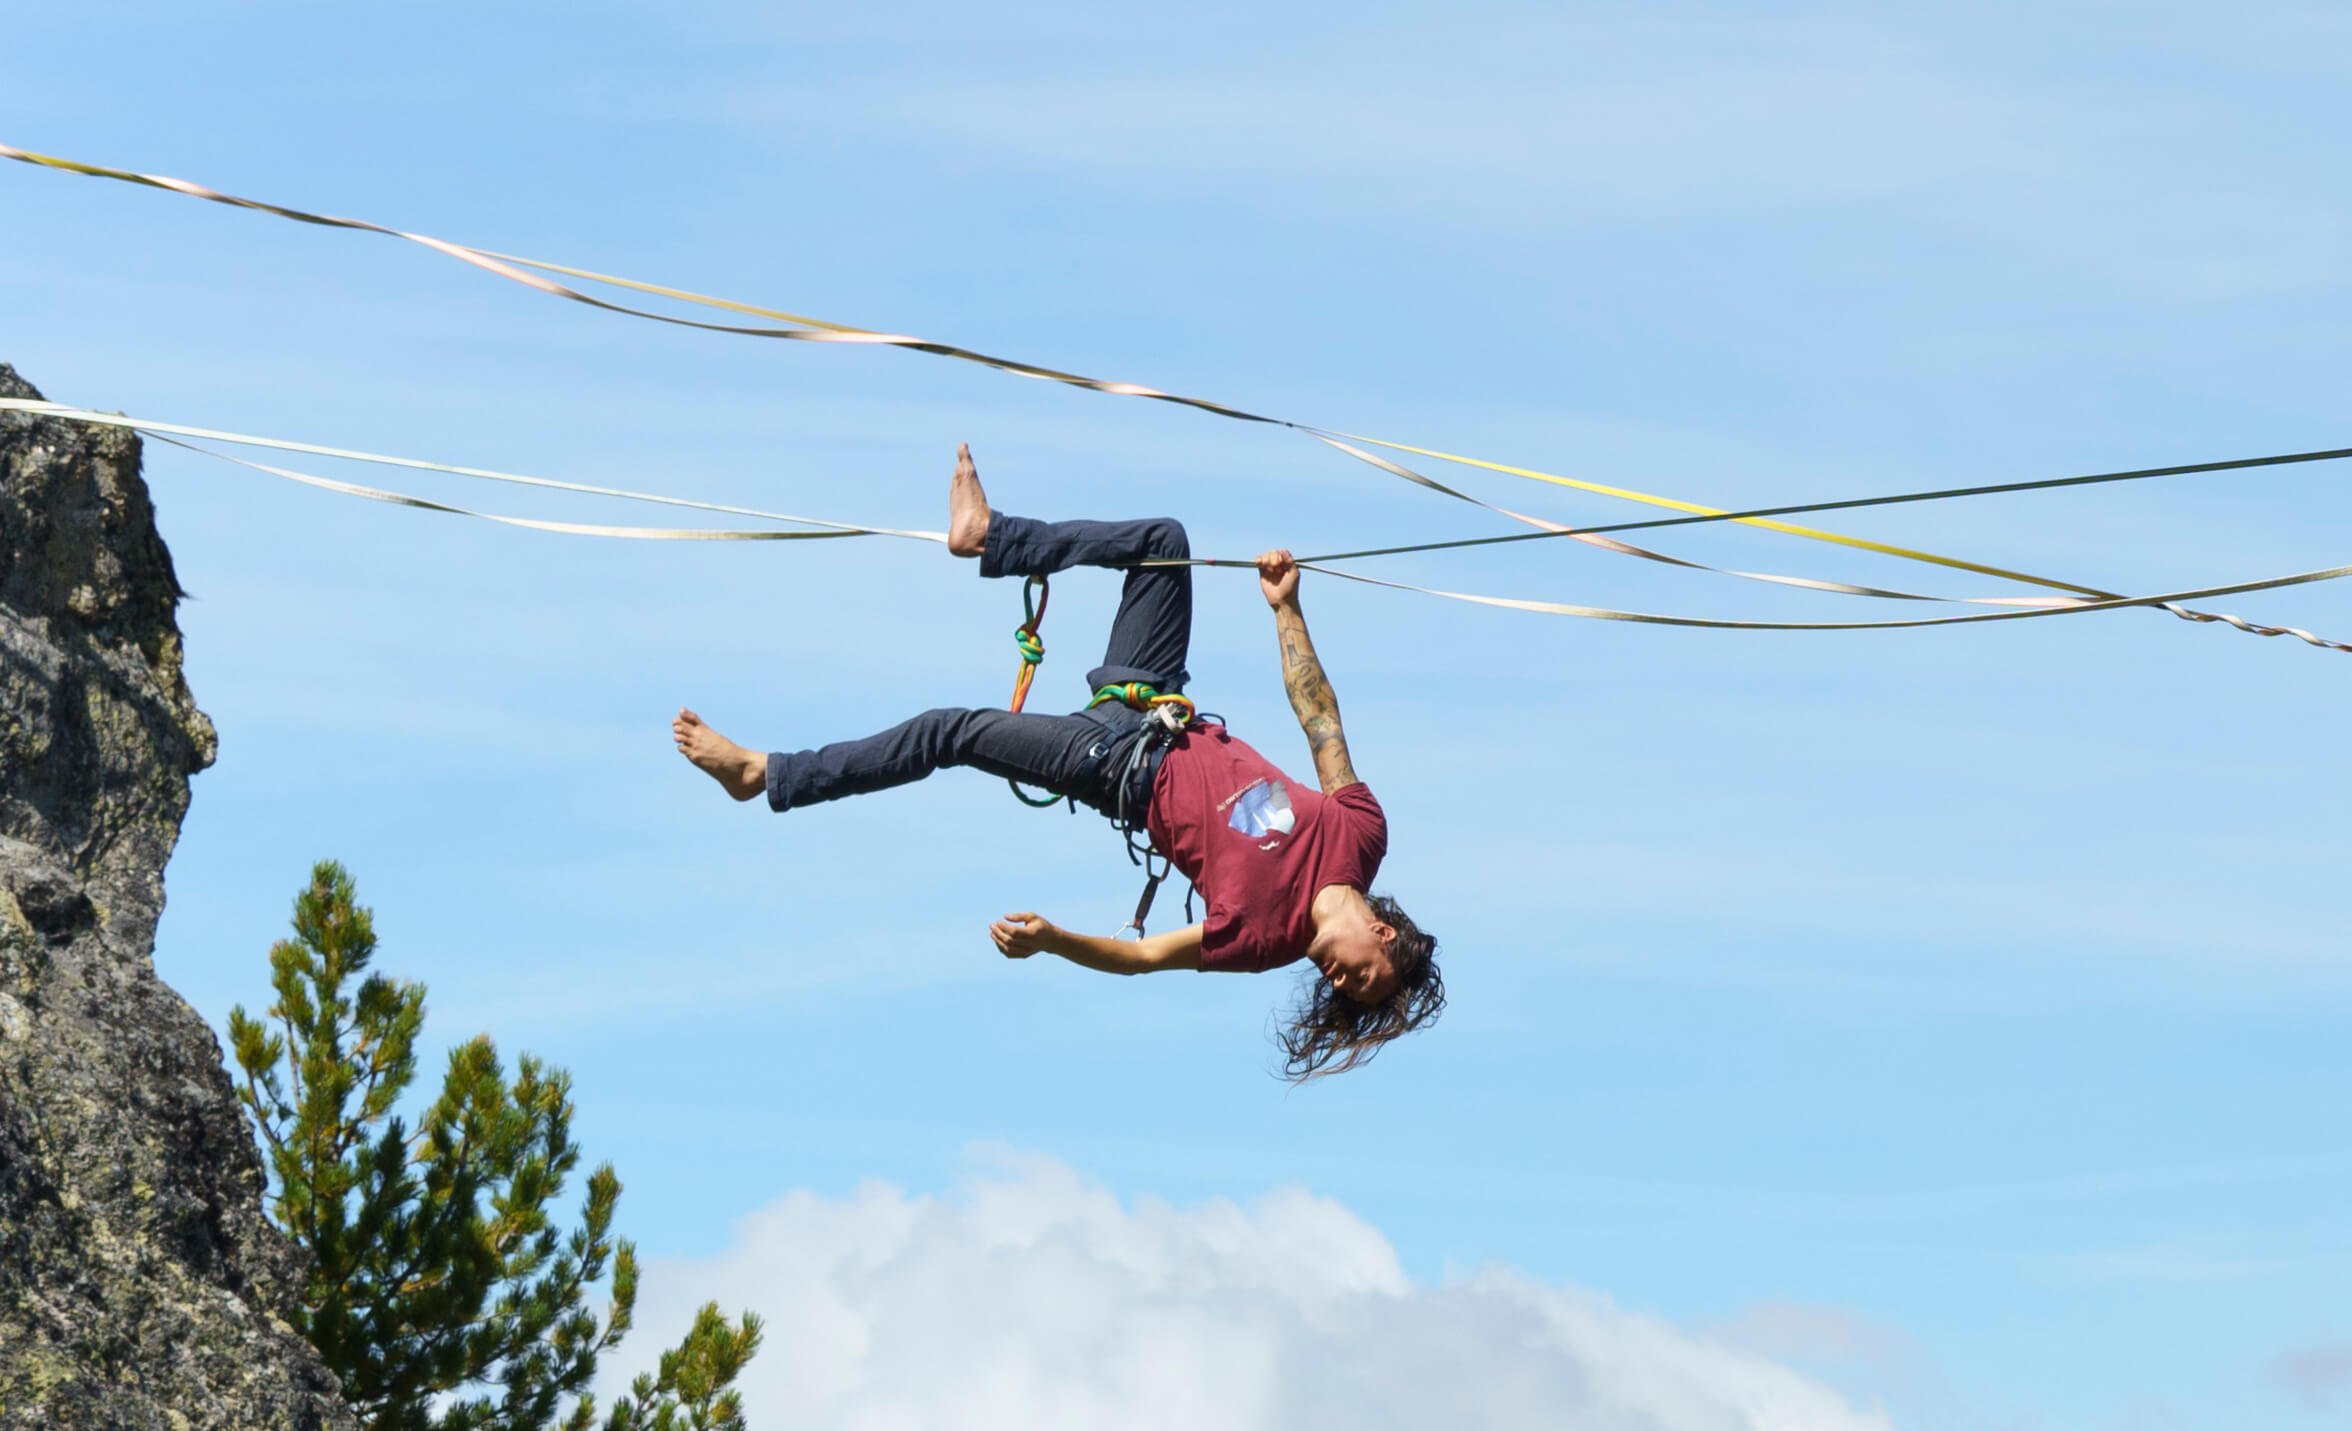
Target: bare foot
(741, 773)
(967, 507)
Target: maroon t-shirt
(1258, 846)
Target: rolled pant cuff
(776, 798)
(1006, 538)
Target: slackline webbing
(1845, 504)
(808, 329)
(2168, 601)
(578, 529)
(1604, 543)
(2048, 606)
(170, 430)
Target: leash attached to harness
(1032, 649)
(1025, 637)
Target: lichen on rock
(140, 1285)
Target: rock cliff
(139, 1283)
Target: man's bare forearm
(1092, 951)
(1311, 696)
(1119, 956)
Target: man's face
(1355, 957)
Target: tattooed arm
(1302, 673)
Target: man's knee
(940, 734)
(1166, 538)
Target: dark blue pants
(1075, 755)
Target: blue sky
(1952, 1016)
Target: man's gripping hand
(1278, 575)
(1018, 936)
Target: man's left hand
(1018, 936)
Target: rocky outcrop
(139, 1283)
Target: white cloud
(1795, 1331)
(1864, 1358)
(1032, 1299)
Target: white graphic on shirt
(1263, 809)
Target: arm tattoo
(1313, 700)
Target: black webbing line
(1851, 503)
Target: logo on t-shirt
(1263, 809)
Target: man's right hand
(1018, 936)
(1278, 576)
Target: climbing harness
(1166, 716)
(1145, 697)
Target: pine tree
(440, 1289)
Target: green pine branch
(441, 1289)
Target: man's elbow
(1153, 958)
(1130, 959)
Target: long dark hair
(1331, 1033)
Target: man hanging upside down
(1286, 874)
